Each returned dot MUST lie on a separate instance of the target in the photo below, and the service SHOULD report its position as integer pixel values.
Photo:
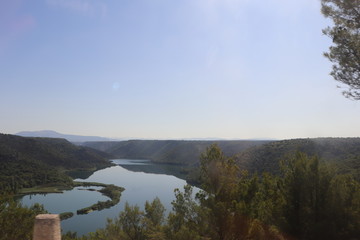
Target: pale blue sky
(170, 69)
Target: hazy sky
(170, 69)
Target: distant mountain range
(69, 137)
(81, 139)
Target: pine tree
(345, 34)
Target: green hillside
(169, 151)
(26, 162)
(343, 152)
(255, 156)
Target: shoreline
(109, 190)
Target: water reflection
(147, 166)
(142, 180)
(67, 201)
(131, 162)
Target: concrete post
(47, 227)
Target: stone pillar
(47, 227)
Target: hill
(53, 134)
(183, 152)
(26, 162)
(343, 152)
(255, 156)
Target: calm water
(139, 188)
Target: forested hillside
(169, 151)
(306, 200)
(26, 162)
(343, 152)
(255, 156)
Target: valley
(54, 172)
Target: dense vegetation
(169, 151)
(27, 162)
(307, 200)
(342, 152)
(12, 212)
(109, 190)
(16, 221)
(254, 156)
(313, 194)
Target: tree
(219, 174)
(154, 219)
(131, 221)
(304, 193)
(220, 177)
(13, 215)
(345, 34)
(154, 212)
(320, 204)
(187, 219)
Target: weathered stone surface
(47, 227)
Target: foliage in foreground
(345, 34)
(307, 201)
(16, 221)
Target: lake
(140, 184)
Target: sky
(170, 69)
